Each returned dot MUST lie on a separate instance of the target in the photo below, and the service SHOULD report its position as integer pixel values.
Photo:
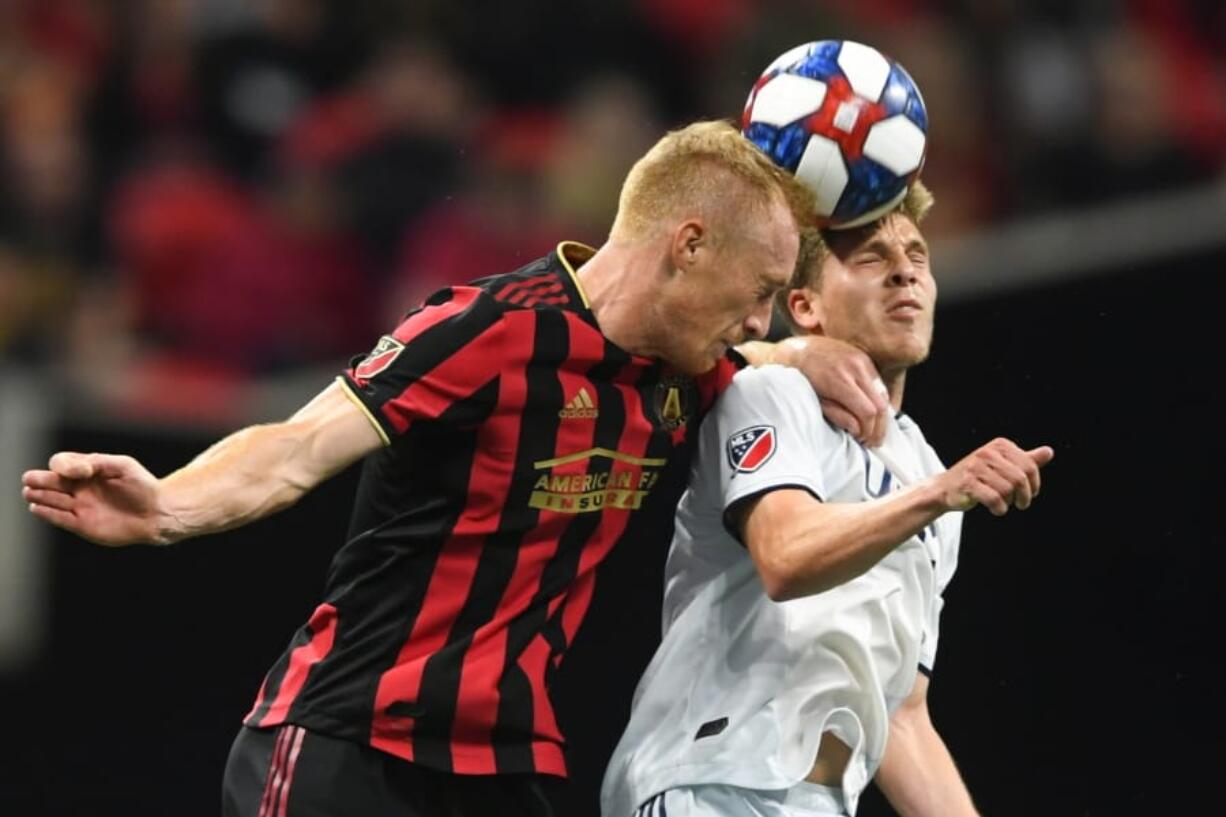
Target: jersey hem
(549, 757)
(357, 401)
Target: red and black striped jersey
(521, 444)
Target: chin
(903, 359)
(695, 366)
(900, 356)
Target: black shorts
(290, 772)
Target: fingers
(1000, 475)
(993, 491)
(883, 410)
(1041, 455)
(1017, 465)
(76, 466)
(877, 411)
(838, 414)
(865, 396)
(46, 480)
(57, 517)
(52, 499)
(71, 465)
(1019, 473)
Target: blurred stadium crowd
(203, 191)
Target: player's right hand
(998, 476)
(108, 499)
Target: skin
(876, 291)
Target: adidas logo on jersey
(580, 407)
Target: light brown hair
(816, 244)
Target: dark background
(207, 206)
(1078, 671)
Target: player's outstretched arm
(917, 774)
(853, 396)
(113, 500)
(802, 546)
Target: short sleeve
(438, 363)
(770, 434)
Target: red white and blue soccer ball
(846, 120)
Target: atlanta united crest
(674, 401)
(750, 448)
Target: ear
(690, 241)
(805, 307)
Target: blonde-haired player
(804, 586)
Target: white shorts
(802, 800)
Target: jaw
(893, 350)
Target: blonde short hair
(691, 167)
(815, 244)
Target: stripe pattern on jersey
(654, 807)
(521, 443)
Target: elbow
(780, 578)
(788, 574)
(780, 588)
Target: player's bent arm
(263, 469)
(917, 774)
(803, 546)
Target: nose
(903, 271)
(758, 322)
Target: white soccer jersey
(742, 687)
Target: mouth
(904, 308)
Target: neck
(895, 382)
(618, 281)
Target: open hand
(108, 499)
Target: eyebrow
(770, 283)
(881, 247)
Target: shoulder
(481, 310)
(772, 385)
(547, 283)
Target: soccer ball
(847, 120)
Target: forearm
(918, 775)
(244, 477)
(787, 352)
(811, 547)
